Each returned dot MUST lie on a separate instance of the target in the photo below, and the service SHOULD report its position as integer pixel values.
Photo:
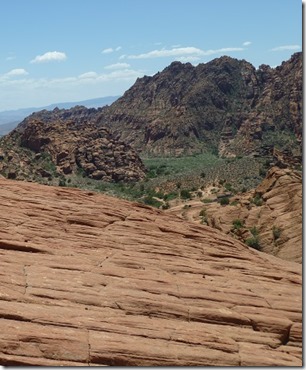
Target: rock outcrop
(91, 280)
(270, 216)
(225, 105)
(64, 142)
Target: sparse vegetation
(185, 194)
(207, 200)
(224, 201)
(203, 216)
(257, 200)
(150, 201)
(276, 232)
(253, 242)
(238, 224)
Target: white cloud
(118, 66)
(286, 47)
(111, 50)
(10, 58)
(108, 51)
(247, 43)
(180, 52)
(189, 59)
(50, 56)
(88, 75)
(26, 92)
(17, 72)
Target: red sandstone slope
(92, 280)
(276, 215)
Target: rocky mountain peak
(186, 109)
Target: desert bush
(257, 200)
(185, 194)
(224, 201)
(276, 232)
(254, 231)
(203, 216)
(238, 224)
(150, 201)
(253, 242)
(207, 200)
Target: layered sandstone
(92, 280)
(273, 210)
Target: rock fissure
(25, 273)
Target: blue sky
(70, 50)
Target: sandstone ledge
(91, 280)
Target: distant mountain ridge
(226, 106)
(9, 119)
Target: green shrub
(257, 200)
(228, 187)
(185, 194)
(150, 201)
(62, 182)
(224, 201)
(207, 200)
(170, 196)
(253, 242)
(254, 231)
(238, 224)
(203, 216)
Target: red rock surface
(277, 218)
(91, 280)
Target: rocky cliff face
(92, 280)
(225, 105)
(269, 217)
(64, 142)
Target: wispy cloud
(111, 50)
(247, 43)
(286, 47)
(47, 90)
(118, 66)
(50, 56)
(10, 57)
(189, 59)
(88, 75)
(180, 52)
(16, 72)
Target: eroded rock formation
(226, 105)
(272, 211)
(92, 280)
(64, 142)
